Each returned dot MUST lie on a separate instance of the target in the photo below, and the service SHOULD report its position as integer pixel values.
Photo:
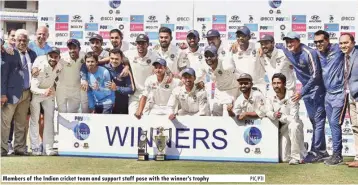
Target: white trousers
(68, 99)
(292, 141)
(222, 99)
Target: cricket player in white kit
(140, 61)
(275, 61)
(246, 58)
(251, 103)
(223, 73)
(68, 93)
(42, 87)
(157, 91)
(192, 101)
(214, 38)
(285, 113)
(167, 51)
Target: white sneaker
(36, 152)
(11, 149)
(52, 153)
(294, 162)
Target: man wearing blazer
(346, 43)
(15, 92)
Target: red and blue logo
(252, 27)
(91, 27)
(62, 18)
(331, 27)
(136, 23)
(152, 35)
(299, 19)
(76, 34)
(219, 22)
(275, 3)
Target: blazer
(353, 75)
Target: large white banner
(190, 138)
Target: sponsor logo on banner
(76, 18)
(121, 27)
(62, 18)
(65, 34)
(106, 18)
(76, 34)
(282, 27)
(91, 27)
(252, 27)
(114, 3)
(252, 136)
(251, 19)
(170, 26)
(46, 19)
(136, 23)
(315, 19)
(135, 35)
(267, 19)
(91, 18)
(152, 35)
(61, 27)
(266, 33)
(303, 36)
(121, 19)
(282, 19)
(62, 50)
(298, 27)
(76, 27)
(151, 27)
(275, 3)
(183, 19)
(219, 22)
(59, 43)
(311, 45)
(310, 36)
(233, 27)
(105, 27)
(152, 19)
(347, 27)
(315, 27)
(299, 19)
(331, 27)
(352, 33)
(203, 19)
(333, 35)
(347, 18)
(266, 27)
(232, 36)
(104, 34)
(90, 34)
(235, 19)
(81, 131)
(253, 36)
(182, 28)
(181, 35)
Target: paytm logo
(62, 18)
(252, 27)
(266, 27)
(152, 35)
(331, 27)
(91, 27)
(298, 18)
(347, 27)
(76, 35)
(137, 19)
(219, 19)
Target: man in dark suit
(15, 92)
(346, 43)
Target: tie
(346, 72)
(26, 71)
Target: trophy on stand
(142, 147)
(160, 142)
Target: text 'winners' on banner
(188, 138)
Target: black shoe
(334, 159)
(21, 153)
(3, 153)
(314, 157)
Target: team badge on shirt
(220, 72)
(167, 86)
(240, 55)
(200, 57)
(301, 63)
(172, 56)
(254, 53)
(262, 102)
(223, 52)
(194, 97)
(278, 61)
(149, 61)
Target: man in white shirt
(275, 61)
(214, 38)
(246, 58)
(141, 64)
(43, 89)
(96, 42)
(157, 91)
(192, 101)
(223, 73)
(285, 113)
(250, 104)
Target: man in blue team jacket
(308, 71)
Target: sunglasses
(318, 41)
(244, 83)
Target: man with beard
(193, 57)
(224, 74)
(157, 91)
(96, 42)
(166, 50)
(332, 62)
(275, 61)
(190, 100)
(285, 113)
(42, 87)
(116, 39)
(346, 44)
(307, 66)
(246, 59)
(141, 64)
(122, 86)
(213, 37)
(15, 92)
(250, 104)
(40, 45)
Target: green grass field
(275, 173)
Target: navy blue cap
(212, 49)
(160, 61)
(244, 30)
(189, 71)
(96, 36)
(54, 50)
(292, 35)
(74, 42)
(212, 33)
(267, 37)
(142, 38)
(196, 33)
(244, 76)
